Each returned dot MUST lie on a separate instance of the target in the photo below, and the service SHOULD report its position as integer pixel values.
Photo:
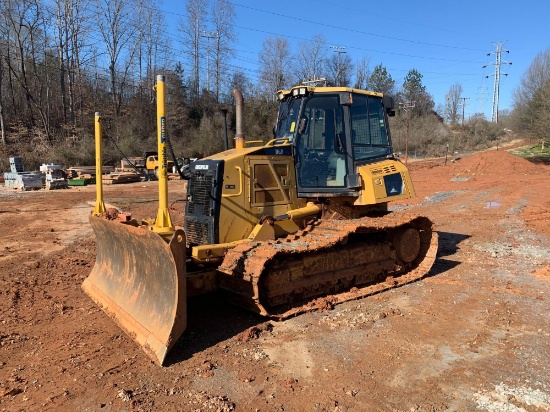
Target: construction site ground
(474, 334)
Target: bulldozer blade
(139, 280)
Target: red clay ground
(473, 335)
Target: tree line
(532, 98)
(62, 60)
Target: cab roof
(281, 94)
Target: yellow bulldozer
(280, 225)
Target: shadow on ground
(210, 320)
(448, 246)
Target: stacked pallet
(121, 177)
(84, 175)
(53, 176)
(24, 180)
(18, 179)
(78, 171)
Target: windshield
(288, 115)
(320, 144)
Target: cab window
(368, 128)
(288, 115)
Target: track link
(339, 260)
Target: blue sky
(447, 42)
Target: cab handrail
(285, 141)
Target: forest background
(63, 60)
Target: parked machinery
(276, 225)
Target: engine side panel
(384, 181)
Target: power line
(362, 48)
(349, 29)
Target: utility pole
(407, 106)
(496, 91)
(339, 50)
(463, 107)
(208, 35)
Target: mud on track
(472, 335)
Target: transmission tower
(482, 91)
(498, 62)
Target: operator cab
(333, 130)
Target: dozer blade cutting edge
(139, 280)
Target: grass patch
(535, 153)
(532, 151)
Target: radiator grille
(197, 233)
(201, 187)
(204, 196)
(383, 170)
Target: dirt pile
(497, 163)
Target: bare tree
(539, 110)
(362, 73)
(531, 98)
(81, 28)
(25, 28)
(149, 42)
(311, 59)
(5, 59)
(274, 64)
(65, 23)
(340, 69)
(118, 28)
(2, 57)
(223, 17)
(18, 36)
(78, 21)
(534, 78)
(2, 114)
(195, 11)
(241, 82)
(452, 103)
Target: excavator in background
(280, 226)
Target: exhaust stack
(239, 132)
